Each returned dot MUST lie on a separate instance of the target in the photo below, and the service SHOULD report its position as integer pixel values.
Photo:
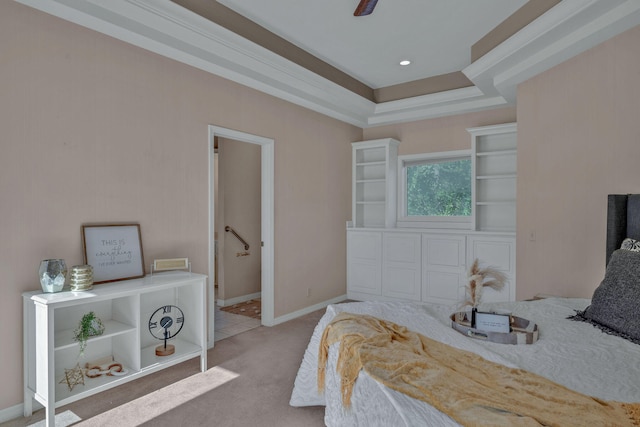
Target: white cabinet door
(364, 263)
(401, 261)
(498, 252)
(443, 268)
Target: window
(435, 190)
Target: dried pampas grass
(480, 278)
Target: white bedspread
(574, 354)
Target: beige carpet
(248, 383)
(64, 419)
(251, 308)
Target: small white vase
(53, 275)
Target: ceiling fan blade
(365, 7)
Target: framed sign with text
(114, 251)
(493, 322)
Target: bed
(578, 355)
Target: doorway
(266, 214)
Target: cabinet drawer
(444, 251)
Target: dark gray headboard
(623, 220)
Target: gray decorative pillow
(630, 244)
(615, 306)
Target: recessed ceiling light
(405, 62)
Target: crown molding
(569, 28)
(434, 105)
(168, 29)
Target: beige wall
(95, 130)
(239, 198)
(441, 134)
(578, 140)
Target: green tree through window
(439, 188)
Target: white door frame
(267, 221)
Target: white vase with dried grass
(479, 278)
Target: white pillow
(630, 244)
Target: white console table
(125, 308)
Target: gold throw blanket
(471, 390)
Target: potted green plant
(90, 325)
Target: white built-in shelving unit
(495, 170)
(374, 183)
(430, 265)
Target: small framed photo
(493, 322)
(114, 251)
(170, 264)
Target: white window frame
(454, 222)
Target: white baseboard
(237, 300)
(14, 412)
(307, 310)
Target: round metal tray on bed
(522, 330)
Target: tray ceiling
(318, 55)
